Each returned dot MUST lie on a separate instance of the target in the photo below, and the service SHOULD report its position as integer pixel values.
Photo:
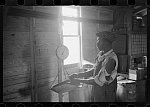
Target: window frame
(78, 35)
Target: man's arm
(86, 81)
(86, 74)
(101, 78)
(110, 66)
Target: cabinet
(131, 91)
(126, 91)
(137, 43)
(140, 90)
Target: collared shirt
(102, 56)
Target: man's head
(105, 40)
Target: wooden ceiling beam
(30, 13)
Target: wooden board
(42, 67)
(47, 9)
(23, 7)
(45, 51)
(15, 23)
(28, 99)
(119, 45)
(15, 91)
(40, 60)
(49, 38)
(16, 97)
(51, 58)
(105, 27)
(16, 79)
(17, 59)
(47, 73)
(15, 45)
(89, 41)
(15, 88)
(88, 12)
(15, 62)
(18, 72)
(7, 72)
(88, 27)
(42, 25)
(44, 94)
(28, 13)
(16, 36)
(92, 13)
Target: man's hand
(75, 75)
(75, 81)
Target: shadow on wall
(24, 92)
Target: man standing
(104, 82)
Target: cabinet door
(131, 92)
(140, 91)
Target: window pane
(74, 51)
(70, 28)
(68, 11)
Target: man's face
(100, 44)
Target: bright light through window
(70, 28)
(74, 50)
(68, 11)
(71, 37)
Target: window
(71, 35)
(74, 49)
(70, 27)
(70, 12)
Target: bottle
(145, 58)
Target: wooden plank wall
(46, 37)
(122, 19)
(90, 29)
(16, 59)
(88, 34)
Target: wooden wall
(120, 27)
(122, 24)
(46, 37)
(89, 30)
(20, 61)
(17, 56)
(16, 59)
